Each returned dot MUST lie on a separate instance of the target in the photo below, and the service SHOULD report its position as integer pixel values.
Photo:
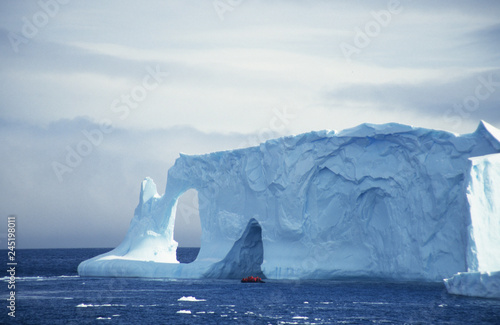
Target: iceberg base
(474, 284)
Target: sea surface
(49, 291)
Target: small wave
(68, 276)
(190, 298)
(370, 303)
(98, 306)
(300, 317)
(103, 318)
(40, 278)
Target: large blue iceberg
(377, 201)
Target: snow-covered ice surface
(385, 201)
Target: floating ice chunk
(184, 311)
(190, 298)
(475, 284)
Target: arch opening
(187, 226)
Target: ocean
(48, 290)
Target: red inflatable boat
(252, 279)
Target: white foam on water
(370, 303)
(82, 305)
(40, 278)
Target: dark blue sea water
(49, 291)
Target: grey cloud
(486, 40)
(432, 98)
(486, 7)
(46, 56)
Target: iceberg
(384, 201)
(482, 278)
(475, 284)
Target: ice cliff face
(483, 259)
(483, 193)
(386, 201)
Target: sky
(95, 96)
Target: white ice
(476, 284)
(483, 249)
(190, 298)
